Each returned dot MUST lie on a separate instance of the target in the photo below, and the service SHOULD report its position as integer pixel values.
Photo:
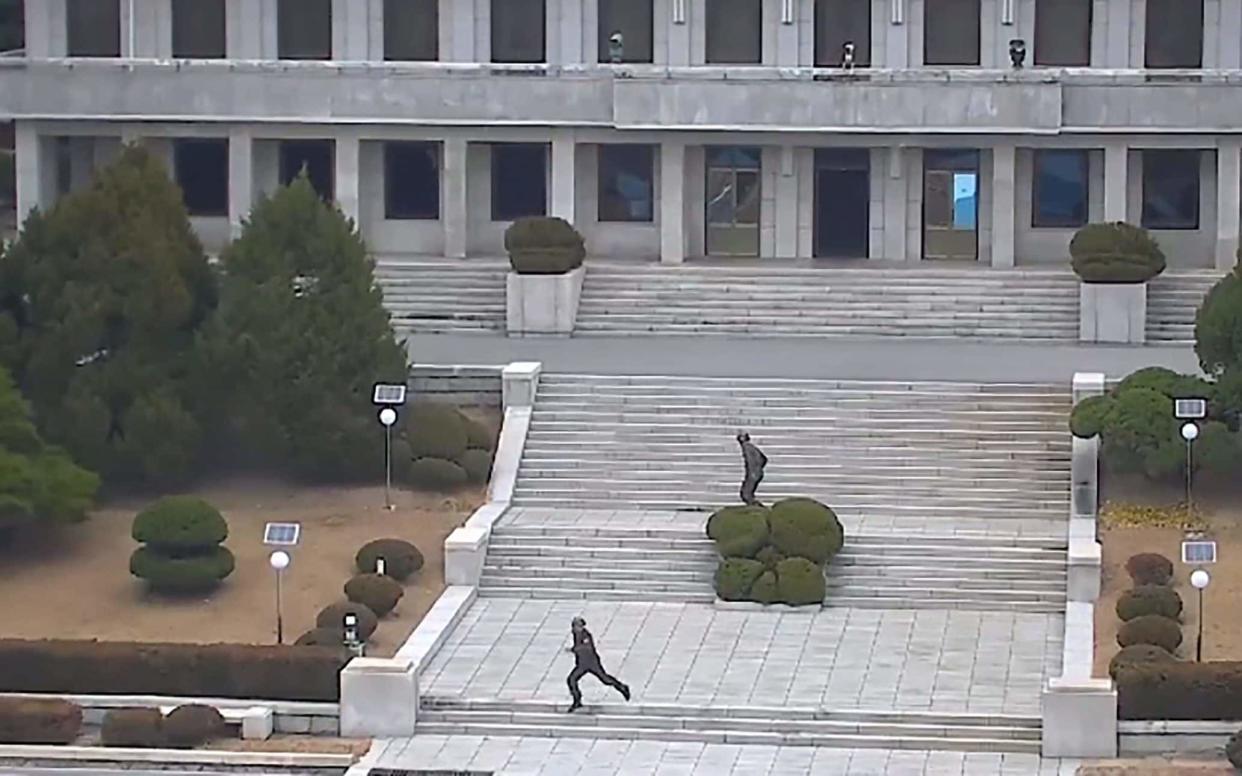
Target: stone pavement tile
(680, 758)
(605, 758)
(717, 760)
(944, 764)
(458, 750)
(792, 761)
(831, 762)
(529, 756)
(416, 751)
(567, 756)
(907, 763)
(1013, 764)
(982, 764)
(755, 759)
(643, 757)
(869, 762)
(494, 754)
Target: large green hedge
(544, 246)
(1115, 253)
(181, 550)
(1179, 690)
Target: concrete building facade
(898, 130)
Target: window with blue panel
(1060, 196)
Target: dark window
(304, 29)
(1060, 197)
(1171, 189)
(631, 18)
(519, 31)
(519, 180)
(1063, 33)
(411, 181)
(1174, 34)
(316, 157)
(951, 32)
(626, 174)
(202, 170)
(198, 29)
(734, 32)
(93, 28)
(412, 30)
(838, 22)
(12, 26)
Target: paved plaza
(510, 756)
(697, 654)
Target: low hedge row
(39, 721)
(185, 727)
(193, 670)
(1180, 690)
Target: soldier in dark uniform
(754, 460)
(586, 661)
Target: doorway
(733, 201)
(951, 204)
(842, 203)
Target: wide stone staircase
(785, 300)
(431, 297)
(784, 726)
(1173, 300)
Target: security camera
(1017, 53)
(847, 55)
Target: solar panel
(282, 534)
(1198, 552)
(1190, 409)
(391, 395)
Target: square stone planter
(1112, 313)
(543, 304)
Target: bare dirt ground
(1220, 508)
(297, 744)
(75, 584)
(1158, 766)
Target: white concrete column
(1003, 207)
(153, 28)
(29, 170)
(568, 24)
(563, 194)
(1228, 202)
(672, 202)
(241, 179)
(244, 27)
(1116, 175)
(786, 204)
(130, 13)
(896, 204)
(454, 209)
(677, 16)
(350, 30)
(348, 196)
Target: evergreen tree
(100, 299)
(37, 482)
(299, 339)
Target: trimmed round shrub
(739, 531)
(544, 245)
(133, 727)
(401, 559)
(770, 556)
(477, 463)
(805, 528)
(435, 431)
(1141, 435)
(1233, 750)
(437, 474)
(333, 617)
(765, 590)
(1139, 653)
(192, 725)
(1151, 629)
(1172, 384)
(735, 576)
(320, 637)
(1150, 568)
(799, 582)
(1115, 253)
(1218, 449)
(378, 593)
(1218, 326)
(478, 436)
(189, 574)
(1090, 416)
(180, 523)
(39, 721)
(1149, 599)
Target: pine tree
(301, 336)
(100, 299)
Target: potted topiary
(1114, 262)
(546, 282)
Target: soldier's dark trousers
(749, 486)
(596, 670)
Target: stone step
(800, 450)
(963, 602)
(556, 592)
(958, 540)
(920, 332)
(642, 499)
(747, 385)
(720, 490)
(878, 480)
(849, 561)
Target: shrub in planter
(1139, 653)
(320, 637)
(1090, 416)
(193, 725)
(194, 573)
(1150, 568)
(1115, 253)
(1180, 690)
(1233, 750)
(739, 531)
(1151, 629)
(39, 721)
(477, 463)
(333, 616)
(401, 559)
(735, 577)
(379, 593)
(133, 727)
(766, 589)
(181, 552)
(436, 431)
(805, 528)
(1149, 599)
(1162, 380)
(799, 582)
(544, 246)
(437, 474)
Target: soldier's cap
(578, 621)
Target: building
(727, 128)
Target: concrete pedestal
(464, 550)
(379, 698)
(1113, 312)
(543, 304)
(1080, 718)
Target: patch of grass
(1118, 514)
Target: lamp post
(1190, 432)
(387, 418)
(1199, 579)
(279, 561)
